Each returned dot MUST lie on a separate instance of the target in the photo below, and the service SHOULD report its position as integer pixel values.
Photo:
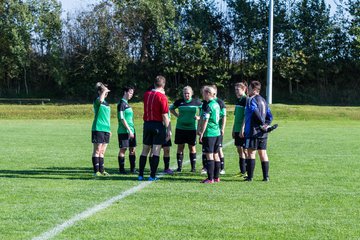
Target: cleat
(178, 169)
(267, 179)
(97, 174)
(216, 179)
(207, 181)
(105, 174)
(150, 179)
(122, 171)
(133, 171)
(193, 170)
(248, 179)
(243, 175)
(140, 178)
(168, 171)
(204, 171)
(222, 172)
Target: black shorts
(239, 142)
(99, 137)
(211, 144)
(125, 141)
(221, 137)
(185, 137)
(255, 143)
(154, 133)
(167, 144)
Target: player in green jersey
(126, 130)
(186, 126)
(238, 127)
(100, 132)
(209, 134)
(222, 124)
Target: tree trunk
(25, 82)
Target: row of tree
(191, 42)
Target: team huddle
(203, 120)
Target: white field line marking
(91, 211)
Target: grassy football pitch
(46, 180)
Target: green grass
(45, 179)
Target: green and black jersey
(101, 121)
(239, 113)
(125, 112)
(222, 110)
(187, 112)
(211, 112)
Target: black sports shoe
(122, 171)
(248, 179)
(267, 179)
(193, 170)
(178, 169)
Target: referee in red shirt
(156, 121)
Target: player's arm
(269, 116)
(174, 112)
(203, 126)
(126, 125)
(173, 107)
(223, 120)
(123, 121)
(256, 113)
(103, 93)
(204, 121)
(242, 131)
(168, 131)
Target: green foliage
(191, 42)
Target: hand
(131, 134)
(168, 136)
(264, 127)
(241, 134)
(110, 134)
(105, 90)
(201, 137)
(197, 118)
(222, 132)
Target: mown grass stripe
(97, 208)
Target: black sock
(166, 163)
(132, 159)
(101, 164)
(251, 168)
(179, 158)
(95, 162)
(242, 165)
(193, 160)
(265, 169)
(142, 164)
(222, 163)
(154, 165)
(121, 161)
(210, 169)
(204, 160)
(217, 169)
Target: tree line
(191, 42)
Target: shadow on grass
(64, 173)
(83, 173)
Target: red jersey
(155, 105)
